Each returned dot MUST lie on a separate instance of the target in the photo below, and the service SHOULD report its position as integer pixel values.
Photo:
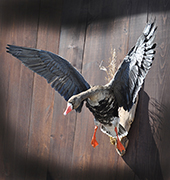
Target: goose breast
(103, 105)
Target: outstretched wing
(130, 76)
(63, 77)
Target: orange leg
(120, 146)
(94, 143)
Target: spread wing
(63, 77)
(130, 76)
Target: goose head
(73, 103)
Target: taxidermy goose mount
(102, 101)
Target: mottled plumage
(105, 106)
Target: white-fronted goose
(102, 101)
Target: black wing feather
(132, 72)
(63, 77)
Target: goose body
(102, 101)
(103, 105)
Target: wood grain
(43, 97)
(36, 140)
(64, 127)
(18, 93)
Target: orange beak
(68, 109)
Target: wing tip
(8, 48)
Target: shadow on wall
(90, 10)
(142, 155)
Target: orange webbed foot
(120, 146)
(94, 143)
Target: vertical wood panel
(18, 139)
(144, 153)
(157, 86)
(64, 127)
(19, 79)
(43, 94)
(102, 36)
(36, 140)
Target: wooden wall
(36, 140)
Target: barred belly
(105, 111)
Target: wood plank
(4, 74)
(15, 137)
(102, 162)
(35, 138)
(137, 24)
(158, 87)
(4, 86)
(17, 100)
(143, 152)
(43, 95)
(64, 127)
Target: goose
(102, 100)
